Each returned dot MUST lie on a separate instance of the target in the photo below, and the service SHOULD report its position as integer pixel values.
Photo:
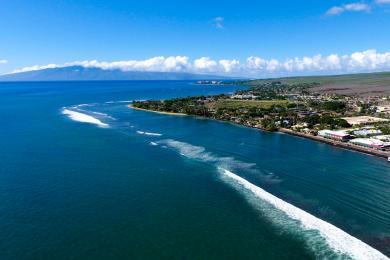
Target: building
(383, 138)
(370, 143)
(367, 132)
(334, 135)
(383, 109)
(244, 96)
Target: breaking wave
(200, 153)
(148, 133)
(315, 231)
(324, 239)
(102, 114)
(81, 117)
(120, 101)
(85, 105)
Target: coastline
(338, 144)
(158, 112)
(344, 145)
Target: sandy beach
(158, 112)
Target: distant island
(301, 106)
(80, 73)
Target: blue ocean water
(84, 176)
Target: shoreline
(158, 112)
(338, 144)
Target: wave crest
(81, 117)
(324, 239)
(148, 133)
(338, 240)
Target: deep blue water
(158, 186)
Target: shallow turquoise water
(152, 186)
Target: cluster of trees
(385, 129)
(189, 105)
(269, 125)
(326, 120)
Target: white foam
(199, 153)
(326, 240)
(102, 114)
(153, 143)
(336, 238)
(85, 105)
(120, 101)
(80, 117)
(148, 133)
(153, 134)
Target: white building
(383, 109)
(335, 135)
(367, 132)
(370, 142)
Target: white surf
(148, 133)
(80, 117)
(340, 241)
(324, 239)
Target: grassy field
(363, 84)
(362, 78)
(229, 103)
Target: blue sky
(58, 32)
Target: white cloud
(369, 60)
(160, 63)
(229, 65)
(218, 22)
(254, 66)
(335, 10)
(351, 7)
(357, 7)
(3, 61)
(205, 64)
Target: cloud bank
(3, 61)
(356, 7)
(254, 66)
(352, 7)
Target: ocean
(82, 176)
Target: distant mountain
(81, 73)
